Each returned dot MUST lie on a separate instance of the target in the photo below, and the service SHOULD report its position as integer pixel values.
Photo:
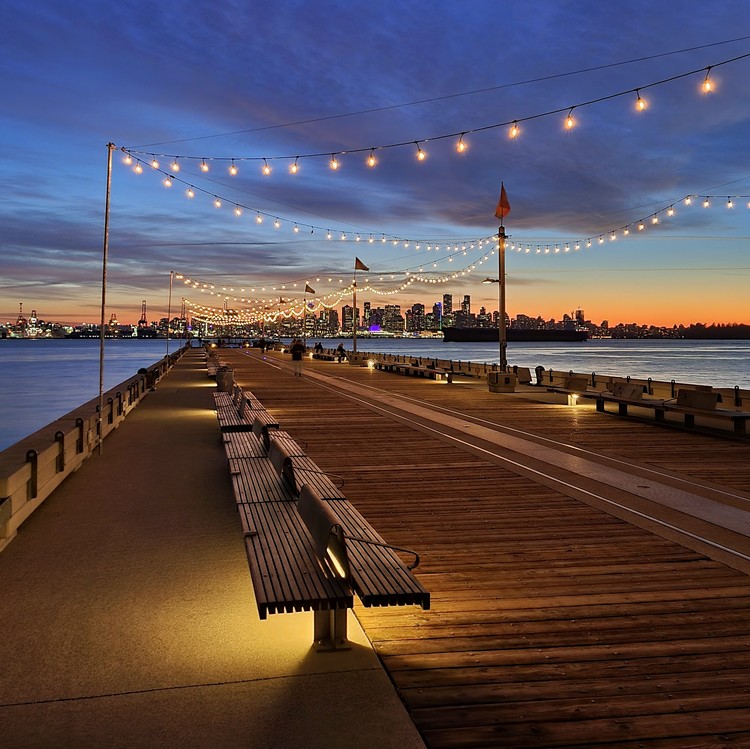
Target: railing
(35, 466)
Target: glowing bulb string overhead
(707, 85)
(555, 245)
(545, 247)
(278, 222)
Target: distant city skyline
(232, 147)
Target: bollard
(225, 379)
(60, 461)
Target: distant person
(262, 345)
(318, 348)
(297, 350)
(341, 352)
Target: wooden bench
(523, 375)
(378, 574)
(694, 402)
(308, 548)
(298, 469)
(416, 370)
(325, 355)
(626, 394)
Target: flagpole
(354, 312)
(502, 332)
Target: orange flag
(503, 207)
(359, 265)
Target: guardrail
(31, 469)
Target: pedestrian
(341, 352)
(297, 350)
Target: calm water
(41, 380)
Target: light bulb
(296, 229)
(138, 168)
(204, 166)
(334, 164)
(514, 130)
(640, 104)
(258, 219)
(421, 155)
(175, 166)
(570, 123)
(154, 163)
(730, 204)
(167, 182)
(688, 200)
(706, 203)
(641, 226)
(371, 160)
(128, 159)
(276, 224)
(461, 146)
(237, 211)
(294, 168)
(654, 219)
(190, 193)
(707, 84)
(233, 168)
(670, 211)
(217, 202)
(266, 168)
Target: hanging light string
(707, 86)
(277, 221)
(554, 246)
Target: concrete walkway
(127, 617)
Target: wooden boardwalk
(554, 622)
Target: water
(41, 380)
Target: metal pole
(169, 308)
(502, 333)
(105, 252)
(304, 317)
(354, 313)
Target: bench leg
(600, 405)
(329, 630)
(622, 409)
(689, 420)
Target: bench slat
(255, 480)
(285, 571)
(243, 445)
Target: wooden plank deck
(553, 622)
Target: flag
(503, 207)
(309, 289)
(359, 265)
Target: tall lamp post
(502, 210)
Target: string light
(707, 83)
(128, 160)
(514, 130)
(258, 218)
(334, 164)
(296, 229)
(640, 104)
(421, 155)
(670, 211)
(371, 160)
(730, 204)
(204, 166)
(217, 202)
(190, 192)
(688, 200)
(167, 182)
(706, 203)
(233, 169)
(175, 166)
(266, 169)
(461, 146)
(294, 168)
(570, 123)
(138, 169)
(237, 211)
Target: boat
(513, 335)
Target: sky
(251, 81)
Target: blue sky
(253, 80)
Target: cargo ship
(513, 335)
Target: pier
(588, 577)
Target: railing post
(31, 488)
(60, 462)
